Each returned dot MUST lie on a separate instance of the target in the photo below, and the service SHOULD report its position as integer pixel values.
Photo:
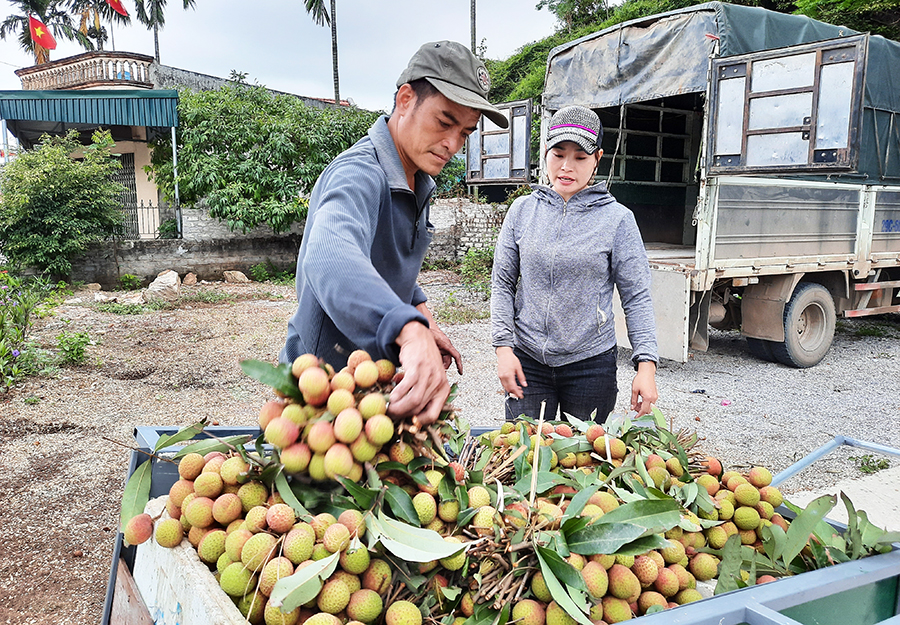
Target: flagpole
(112, 36)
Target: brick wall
(197, 225)
(461, 225)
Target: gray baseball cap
(457, 73)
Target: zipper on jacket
(552, 267)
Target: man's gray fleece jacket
(555, 265)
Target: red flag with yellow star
(117, 7)
(40, 35)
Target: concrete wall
(197, 225)
(106, 262)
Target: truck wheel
(761, 348)
(809, 320)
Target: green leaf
(562, 570)
(656, 515)
(137, 493)
(364, 497)
(579, 501)
(774, 540)
(279, 378)
(184, 434)
(559, 593)
(284, 489)
(206, 445)
(730, 566)
(545, 481)
(799, 530)
(605, 538)
(293, 591)
(413, 544)
(401, 503)
(853, 533)
(643, 545)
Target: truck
(760, 154)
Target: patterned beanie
(578, 124)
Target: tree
(881, 17)
(252, 155)
(52, 14)
(316, 10)
(91, 13)
(54, 206)
(576, 13)
(152, 14)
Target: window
(497, 155)
(794, 109)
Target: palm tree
(152, 14)
(92, 12)
(51, 13)
(319, 14)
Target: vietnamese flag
(40, 35)
(117, 7)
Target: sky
(277, 44)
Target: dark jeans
(577, 389)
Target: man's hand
(424, 388)
(448, 352)
(643, 388)
(509, 370)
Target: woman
(559, 254)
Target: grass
(206, 296)
(451, 311)
(869, 464)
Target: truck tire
(809, 321)
(762, 349)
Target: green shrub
(268, 272)
(54, 206)
(476, 268)
(18, 301)
(130, 282)
(72, 346)
(168, 229)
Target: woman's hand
(643, 388)
(509, 370)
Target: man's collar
(389, 158)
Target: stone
(165, 286)
(103, 297)
(190, 279)
(236, 277)
(134, 297)
(93, 286)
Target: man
(367, 232)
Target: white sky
(277, 44)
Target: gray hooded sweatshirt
(555, 266)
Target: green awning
(102, 107)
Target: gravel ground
(64, 439)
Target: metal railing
(148, 222)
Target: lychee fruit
(281, 432)
(340, 399)
(555, 615)
(211, 546)
(334, 596)
(198, 512)
(362, 449)
(479, 496)
(746, 518)
(759, 477)
(169, 533)
(645, 569)
(258, 550)
(425, 506)
(280, 518)
(347, 425)
(401, 452)
(190, 466)
(365, 605)
(666, 582)
(484, 521)
(338, 461)
(270, 410)
(386, 370)
(139, 529)
(372, 404)
(302, 363)
(704, 566)
(528, 612)
(298, 543)
(623, 583)
(315, 386)
(402, 613)
(377, 577)
(650, 598)
(365, 374)
(712, 466)
(687, 595)
(234, 543)
(320, 437)
(296, 457)
(709, 482)
(458, 559)
(231, 469)
(336, 537)
(179, 490)
(296, 414)
(771, 495)
(316, 467)
(379, 429)
(354, 560)
(744, 494)
(353, 520)
(539, 588)
(595, 578)
(275, 569)
(237, 581)
(322, 522)
(226, 508)
(616, 610)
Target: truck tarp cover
(667, 54)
